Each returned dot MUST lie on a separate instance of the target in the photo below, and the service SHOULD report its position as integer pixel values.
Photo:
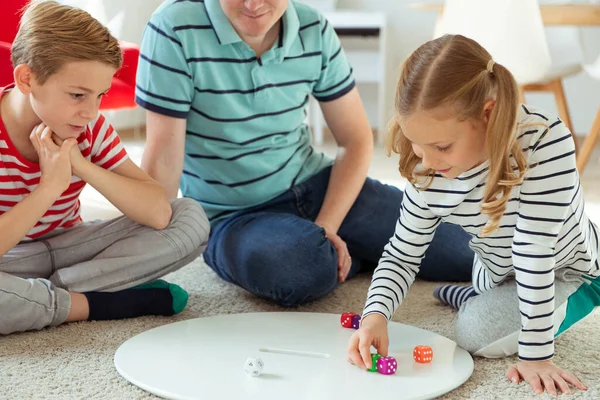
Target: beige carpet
(76, 361)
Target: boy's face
(70, 98)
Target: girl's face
(444, 144)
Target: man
(226, 84)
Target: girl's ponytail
(507, 162)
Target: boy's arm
(56, 168)
(130, 189)
(16, 222)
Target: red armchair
(6, 69)
(122, 91)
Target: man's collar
(291, 25)
(226, 34)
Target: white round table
(304, 356)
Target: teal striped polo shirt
(246, 139)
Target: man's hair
(51, 34)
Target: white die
(253, 366)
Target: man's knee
(301, 270)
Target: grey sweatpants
(488, 325)
(104, 256)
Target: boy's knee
(31, 304)
(190, 219)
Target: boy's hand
(77, 159)
(543, 374)
(373, 331)
(54, 160)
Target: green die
(374, 358)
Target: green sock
(180, 296)
(154, 298)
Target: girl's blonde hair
(51, 34)
(456, 71)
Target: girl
(54, 268)
(506, 173)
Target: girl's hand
(54, 160)
(373, 331)
(543, 374)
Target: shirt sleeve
(107, 150)
(547, 192)
(336, 78)
(402, 256)
(164, 82)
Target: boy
(54, 267)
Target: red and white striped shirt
(99, 143)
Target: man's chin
(256, 28)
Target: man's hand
(543, 374)
(344, 259)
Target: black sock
(157, 298)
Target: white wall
(408, 28)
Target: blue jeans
(275, 250)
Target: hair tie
(490, 66)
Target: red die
(423, 354)
(346, 319)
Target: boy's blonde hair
(51, 34)
(456, 71)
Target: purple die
(387, 365)
(356, 321)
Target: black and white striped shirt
(543, 233)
